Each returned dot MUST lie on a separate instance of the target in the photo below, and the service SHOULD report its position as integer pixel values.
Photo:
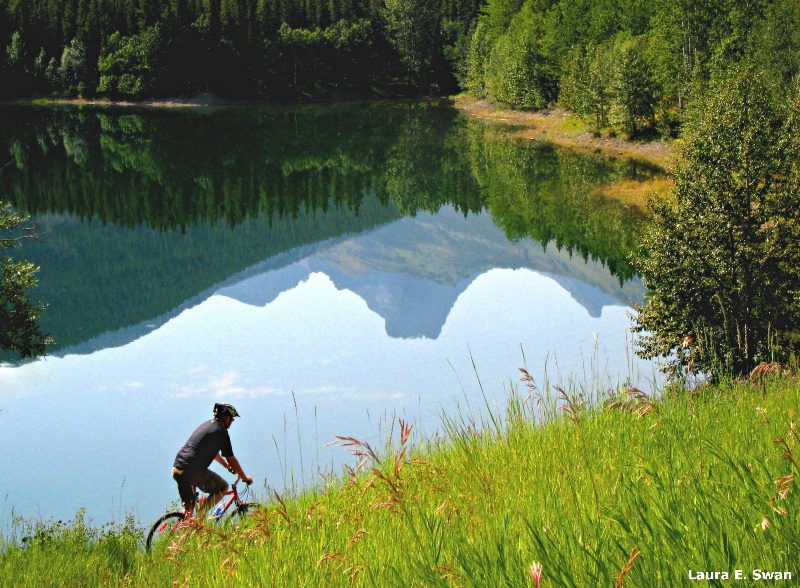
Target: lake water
(324, 269)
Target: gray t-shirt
(198, 452)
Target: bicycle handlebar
(239, 479)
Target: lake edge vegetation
(721, 251)
(628, 67)
(634, 490)
(20, 331)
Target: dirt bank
(566, 130)
(563, 128)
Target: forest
(633, 63)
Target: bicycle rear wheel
(164, 527)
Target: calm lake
(325, 269)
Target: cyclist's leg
(185, 490)
(214, 485)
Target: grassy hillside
(636, 492)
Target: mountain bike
(168, 524)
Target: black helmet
(222, 409)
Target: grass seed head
(535, 572)
(628, 566)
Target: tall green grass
(631, 492)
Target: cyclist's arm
(234, 466)
(221, 460)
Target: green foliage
(413, 29)
(493, 23)
(39, 71)
(15, 52)
(129, 66)
(73, 69)
(478, 55)
(456, 40)
(19, 327)
(13, 65)
(641, 61)
(676, 48)
(721, 256)
(586, 85)
(412, 46)
(232, 48)
(610, 79)
(631, 87)
(75, 547)
(777, 45)
(574, 83)
(322, 62)
(517, 73)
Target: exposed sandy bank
(565, 130)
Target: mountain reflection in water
(323, 270)
(393, 270)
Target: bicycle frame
(234, 498)
(233, 492)
(171, 521)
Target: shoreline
(562, 128)
(565, 130)
(557, 126)
(202, 100)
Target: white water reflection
(100, 430)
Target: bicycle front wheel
(241, 511)
(163, 528)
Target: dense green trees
(518, 74)
(413, 27)
(586, 85)
(721, 256)
(274, 49)
(632, 88)
(19, 326)
(635, 64)
(632, 65)
(130, 66)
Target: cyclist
(209, 442)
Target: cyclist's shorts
(207, 481)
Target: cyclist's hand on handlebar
(248, 480)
